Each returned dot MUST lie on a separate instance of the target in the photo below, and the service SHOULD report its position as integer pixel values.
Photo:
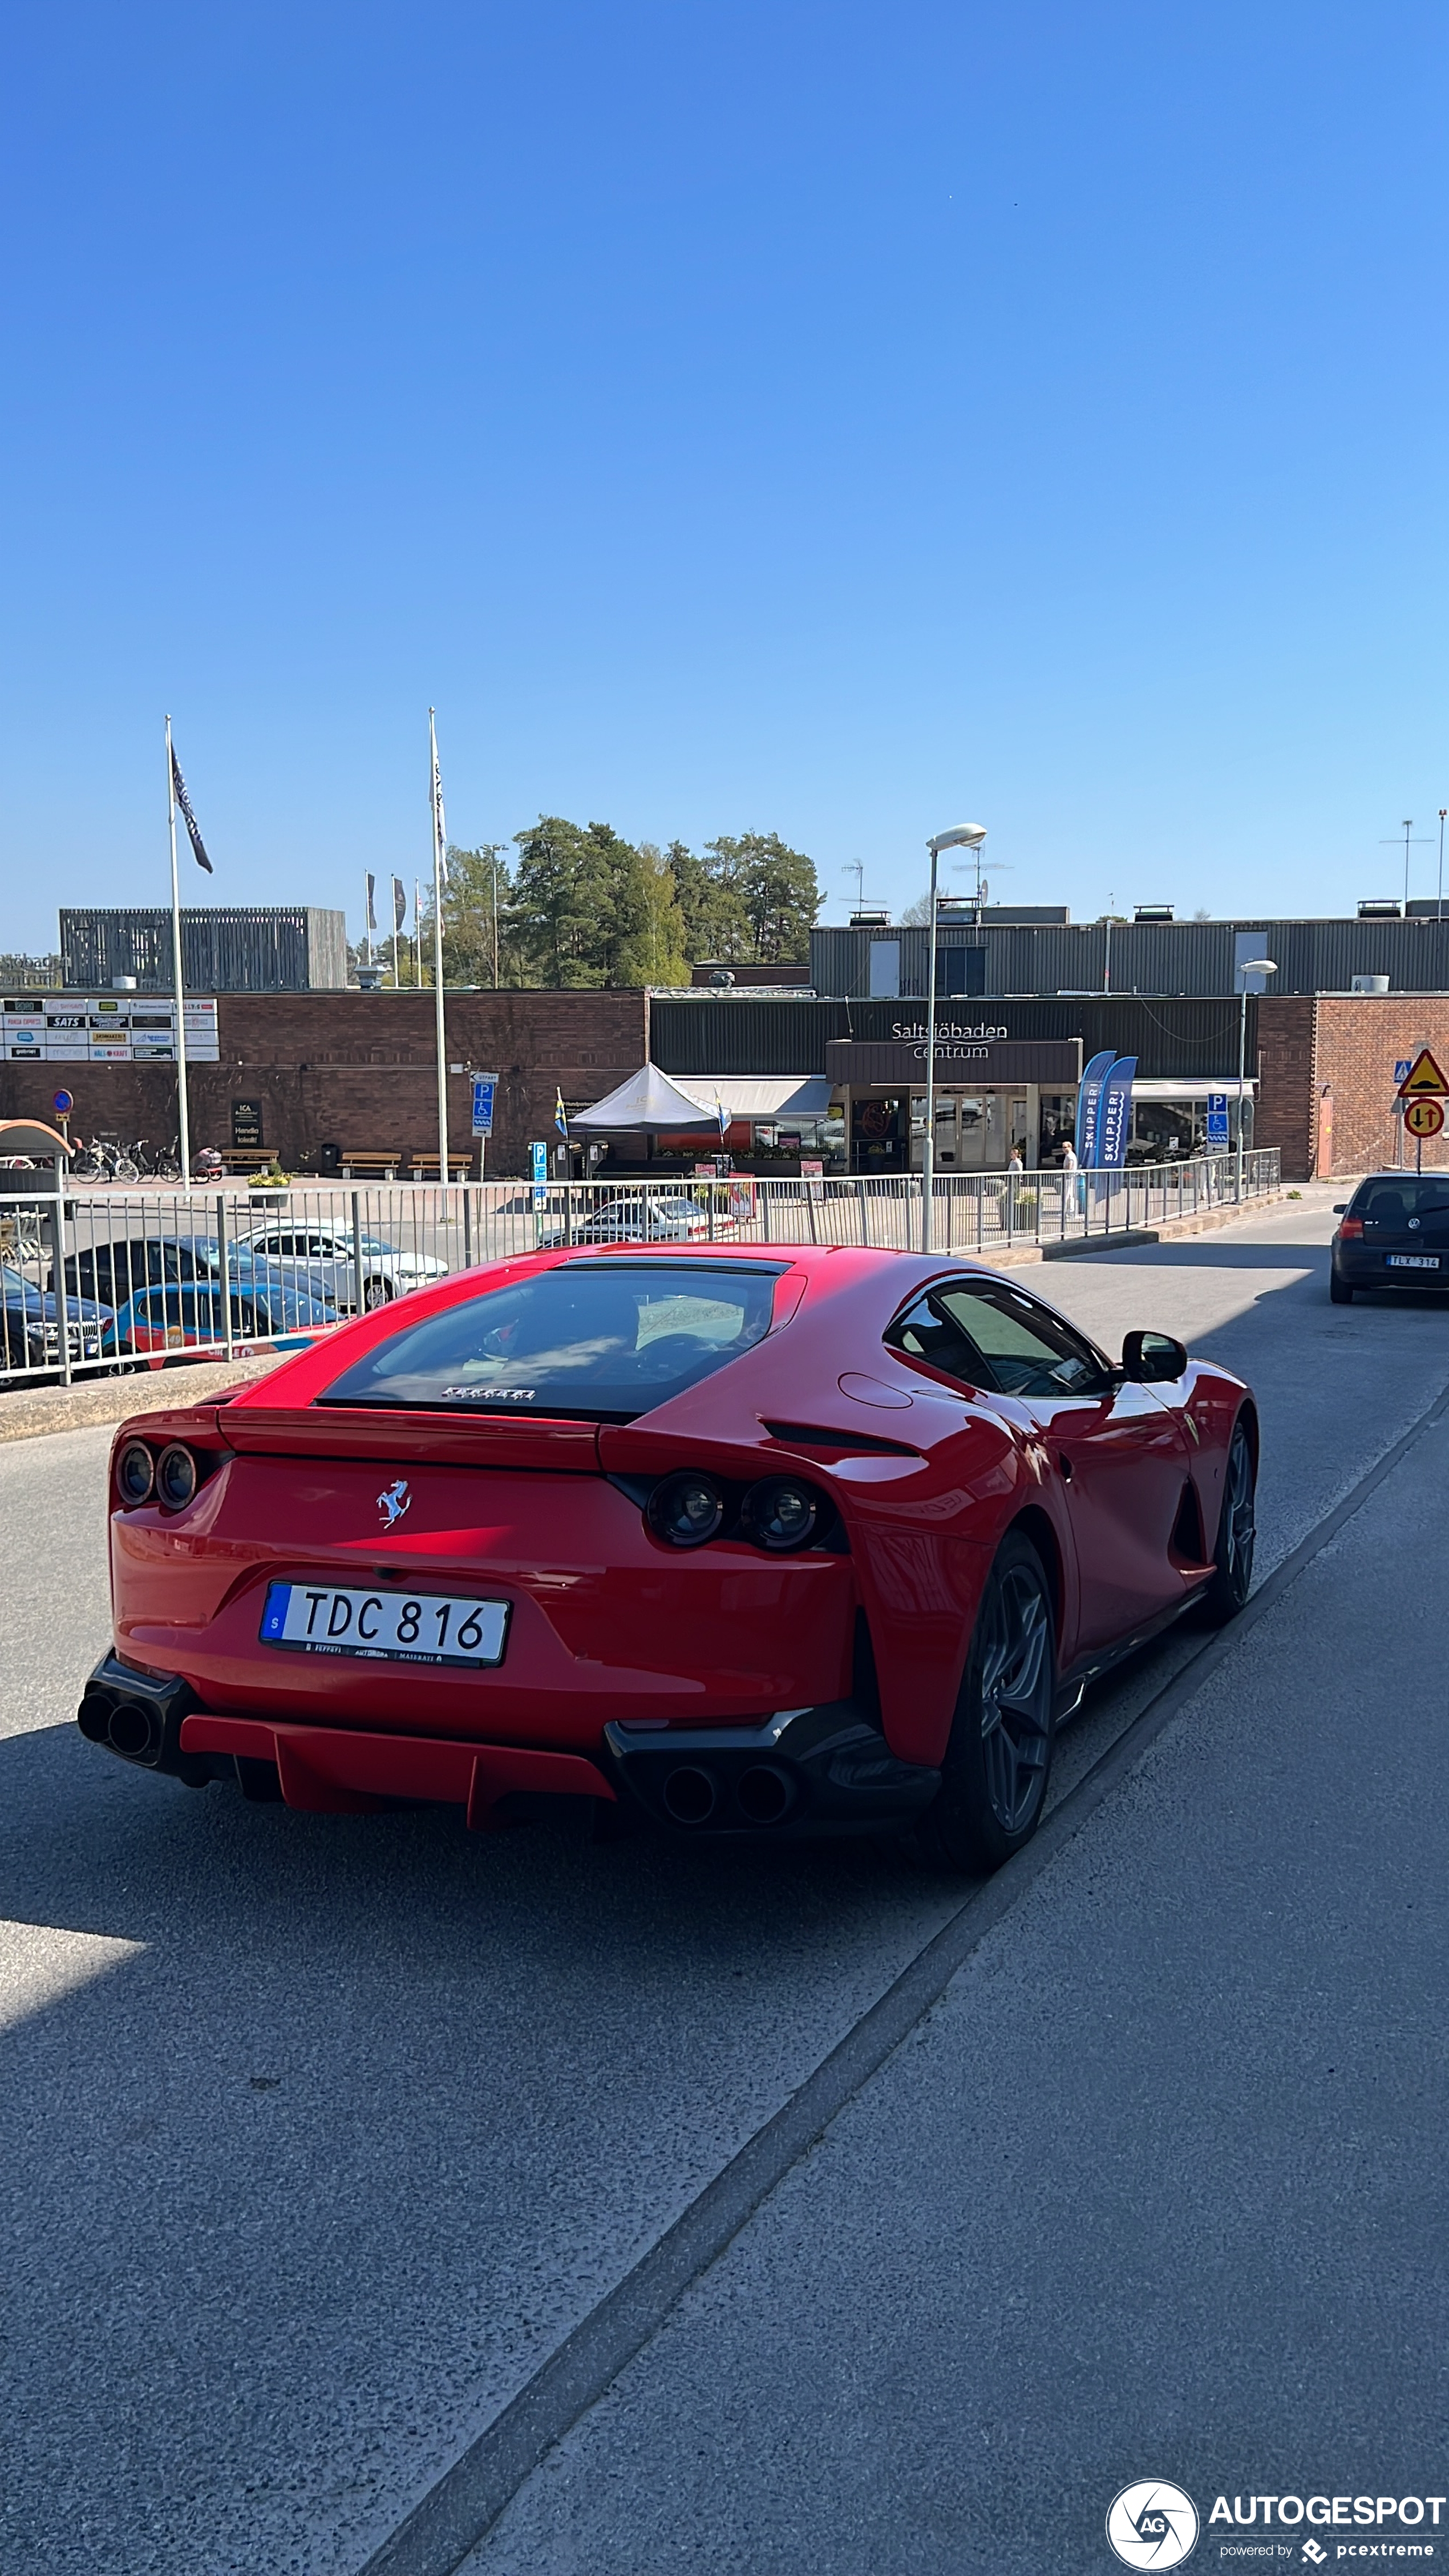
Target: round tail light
(686, 1509)
(135, 1473)
(781, 1514)
(176, 1476)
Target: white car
(645, 1218)
(319, 1259)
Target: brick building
(1342, 1048)
(358, 1070)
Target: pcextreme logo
(1152, 2524)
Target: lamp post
(1443, 810)
(1249, 966)
(962, 836)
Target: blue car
(176, 1315)
(30, 1322)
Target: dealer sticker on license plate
(395, 1627)
(1412, 1260)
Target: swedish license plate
(1412, 1260)
(388, 1627)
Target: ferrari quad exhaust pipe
(690, 1794)
(128, 1726)
(765, 1793)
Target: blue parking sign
(538, 1155)
(1217, 1118)
(484, 1087)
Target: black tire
(1340, 1293)
(994, 1778)
(375, 1293)
(1237, 1534)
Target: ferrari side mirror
(1150, 1359)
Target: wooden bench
(246, 1158)
(371, 1167)
(424, 1167)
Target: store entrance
(975, 1131)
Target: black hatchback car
(1393, 1233)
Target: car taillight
(135, 1473)
(176, 1476)
(686, 1509)
(781, 1514)
(1351, 1229)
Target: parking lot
(321, 2134)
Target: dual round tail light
(780, 1514)
(142, 1477)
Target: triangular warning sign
(1423, 1079)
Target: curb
(31, 1412)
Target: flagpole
(417, 934)
(184, 1124)
(366, 915)
(438, 864)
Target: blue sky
(810, 418)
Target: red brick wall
(1285, 1114)
(359, 1070)
(1360, 1038)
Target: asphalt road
(317, 2134)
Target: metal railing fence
(151, 1275)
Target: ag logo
(1152, 2524)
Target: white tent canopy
(656, 1103)
(648, 1103)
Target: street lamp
(962, 836)
(1248, 966)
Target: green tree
(775, 889)
(715, 921)
(653, 950)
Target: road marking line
(458, 2510)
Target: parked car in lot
(30, 1324)
(768, 1542)
(176, 1315)
(649, 1217)
(1394, 1234)
(113, 1271)
(322, 1258)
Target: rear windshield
(1391, 1207)
(598, 1344)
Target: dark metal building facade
(285, 948)
(1165, 957)
(725, 1033)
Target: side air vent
(816, 1435)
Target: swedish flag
(560, 1114)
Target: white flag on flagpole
(440, 828)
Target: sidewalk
(1158, 2190)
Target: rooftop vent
(874, 920)
(1380, 909)
(1152, 912)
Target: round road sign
(1424, 1117)
(62, 1104)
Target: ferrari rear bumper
(806, 1771)
(825, 1770)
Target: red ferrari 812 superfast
(738, 1539)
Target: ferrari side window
(1029, 1350)
(926, 1331)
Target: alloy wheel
(1016, 1689)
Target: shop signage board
(964, 1055)
(104, 1028)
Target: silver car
(319, 1261)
